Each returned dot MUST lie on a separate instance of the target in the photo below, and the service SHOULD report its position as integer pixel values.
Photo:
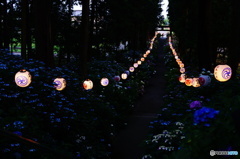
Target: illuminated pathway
(128, 142)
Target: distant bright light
(164, 8)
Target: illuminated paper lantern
(139, 62)
(124, 76)
(176, 57)
(189, 82)
(142, 59)
(195, 82)
(131, 69)
(60, 83)
(181, 65)
(222, 72)
(182, 78)
(148, 52)
(204, 80)
(116, 78)
(182, 70)
(104, 82)
(88, 84)
(145, 55)
(23, 78)
(135, 65)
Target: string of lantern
(221, 72)
(23, 78)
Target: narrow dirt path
(128, 142)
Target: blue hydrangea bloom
(204, 114)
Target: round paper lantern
(60, 83)
(131, 69)
(145, 55)
(222, 72)
(127, 72)
(23, 78)
(116, 78)
(182, 70)
(142, 59)
(88, 84)
(148, 52)
(135, 65)
(104, 82)
(195, 82)
(189, 81)
(176, 57)
(139, 62)
(204, 80)
(124, 76)
(181, 65)
(182, 78)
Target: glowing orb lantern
(145, 55)
(142, 59)
(182, 70)
(135, 65)
(131, 69)
(195, 82)
(189, 82)
(139, 62)
(60, 83)
(148, 52)
(181, 65)
(204, 80)
(104, 82)
(124, 76)
(222, 73)
(176, 57)
(88, 84)
(23, 78)
(182, 78)
(116, 78)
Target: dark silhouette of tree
(43, 31)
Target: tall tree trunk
(234, 57)
(29, 33)
(85, 36)
(6, 36)
(43, 32)
(204, 56)
(24, 29)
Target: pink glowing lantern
(87, 84)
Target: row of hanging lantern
(221, 72)
(23, 77)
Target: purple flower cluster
(204, 114)
(195, 104)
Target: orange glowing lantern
(189, 81)
(182, 78)
(195, 82)
(87, 84)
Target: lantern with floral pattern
(23, 78)
(87, 84)
(60, 83)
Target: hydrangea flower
(195, 104)
(204, 114)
